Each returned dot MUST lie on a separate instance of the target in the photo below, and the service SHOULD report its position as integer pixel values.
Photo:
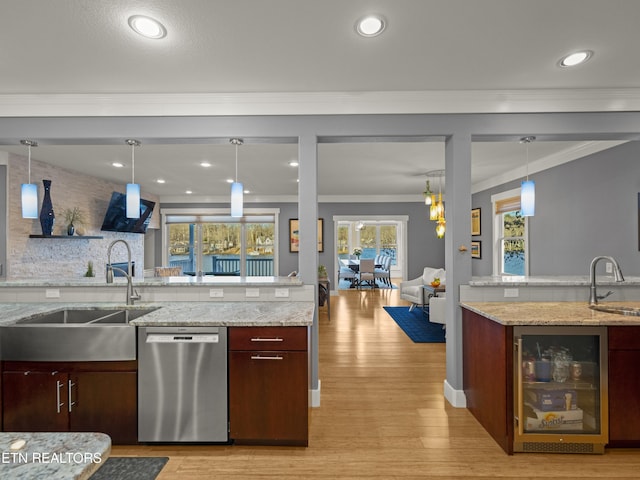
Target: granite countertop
(240, 314)
(185, 280)
(551, 313)
(549, 280)
(53, 456)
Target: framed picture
(475, 221)
(294, 235)
(476, 249)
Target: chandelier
(436, 210)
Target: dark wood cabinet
(624, 386)
(487, 348)
(268, 385)
(71, 396)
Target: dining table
(354, 264)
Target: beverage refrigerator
(560, 382)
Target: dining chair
(346, 273)
(366, 272)
(383, 272)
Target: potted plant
(89, 272)
(73, 217)
(357, 252)
(322, 272)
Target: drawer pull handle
(260, 357)
(258, 339)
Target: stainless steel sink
(70, 334)
(73, 316)
(618, 309)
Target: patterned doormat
(130, 468)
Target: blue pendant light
(528, 187)
(133, 189)
(237, 190)
(29, 190)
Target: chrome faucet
(131, 293)
(593, 296)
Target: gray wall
(424, 248)
(3, 221)
(584, 208)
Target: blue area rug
(416, 325)
(346, 285)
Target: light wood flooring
(382, 416)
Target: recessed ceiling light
(370, 26)
(230, 180)
(188, 192)
(160, 180)
(575, 58)
(247, 191)
(147, 27)
(293, 163)
(205, 164)
(117, 164)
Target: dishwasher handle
(182, 338)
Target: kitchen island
(490, 375)
(52, 456)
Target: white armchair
(412, 291)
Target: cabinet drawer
(624, 338)
(267, 338)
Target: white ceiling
(462, 48)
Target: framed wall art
(475, 221)
(476, 249)
(294, 235)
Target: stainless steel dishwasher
(182, 384)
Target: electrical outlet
(52, 293)
(511, 293)
(252, 292)
(282, 292)
(216, 293)
(609, 267)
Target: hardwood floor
(383, 416)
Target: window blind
(508, 205)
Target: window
(510, 248)
(220, 244)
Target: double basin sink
(73, 334)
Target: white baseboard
(455, 397)
(315, 396)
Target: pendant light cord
(134, 144)
(29, 147)
(236, 142)
(29, 144)
(527, 141)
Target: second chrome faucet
(617, 272)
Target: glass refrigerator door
(560, 389)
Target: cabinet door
(105, 402)
(624, 398)
(35, 401)
(268, 397)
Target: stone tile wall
(65, 258)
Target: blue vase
(47, 217)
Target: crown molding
(321, 103)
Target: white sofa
(412, 290)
